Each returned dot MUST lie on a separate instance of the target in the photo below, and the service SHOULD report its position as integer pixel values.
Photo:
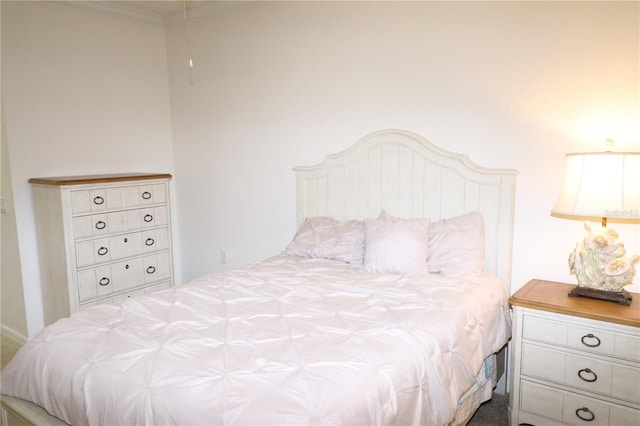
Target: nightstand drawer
(587, 339)
(580, 372)
(544, 405)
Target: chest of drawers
(101, 239)
(574, 360)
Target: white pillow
(395, 246)
(329, 238)
(456, 245)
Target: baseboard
(12, 335)
(10, 343)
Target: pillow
(456, 245)
(328, 238)
(395, 246)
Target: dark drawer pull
(98, 200)
(148, 218)
(151, 269)
(104, 281)
(590, 416)
(100, 225)
(102, 251)
(149, 242)
(588, 379)
(590, 337)
(146, 195)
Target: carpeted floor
(492, 413)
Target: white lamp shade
(601, 184)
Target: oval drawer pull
(104, 281)
(590, 416)
(148, 218)
(98, 200)
(588, 371)
(102, 251)
(587, 338)
(146, 195)
(100, 224)
(149, 242)
(151, 269)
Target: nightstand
(575, 360)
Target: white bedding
(289, 340)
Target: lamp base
(622, 297)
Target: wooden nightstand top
(553, 297)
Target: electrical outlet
(223, 257)
(3, 205)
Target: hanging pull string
(185, 21)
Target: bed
(387, 307)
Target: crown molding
(105, 8)
(211, 9)
(204, 10)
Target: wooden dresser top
(92, 179)
(554, 297)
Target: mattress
(288, 340)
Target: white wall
(12, 307)
(82, 94)
(13, 318)
(513, 84)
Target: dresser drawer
(122, 276)
(156, 267)
(141, 195)
(118, 247)
(118, 222)
(102, 199)
(545, 405)
(607, 378)
(95, 200)
(120, 297)
(139, 292)
(583, 338)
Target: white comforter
(285, 341)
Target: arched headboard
(408, 176)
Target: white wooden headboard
(406, 175)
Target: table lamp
(603, 185)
